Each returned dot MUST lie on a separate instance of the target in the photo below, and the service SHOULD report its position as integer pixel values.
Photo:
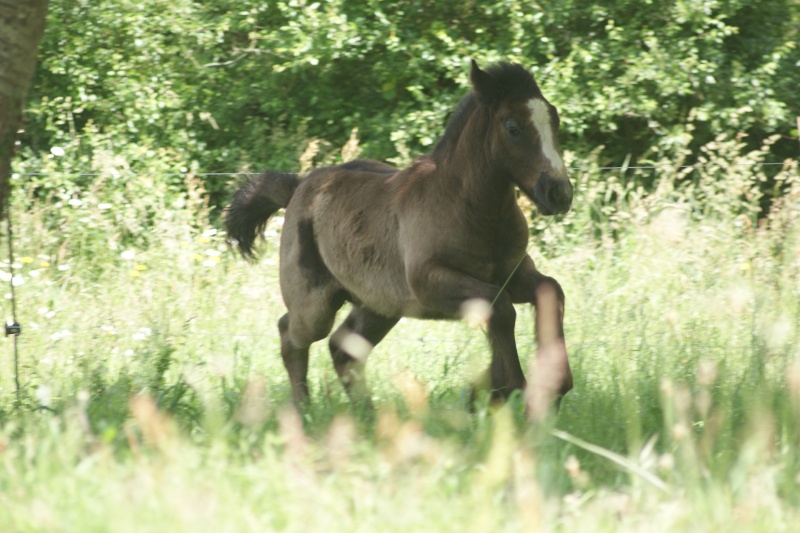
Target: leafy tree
(225, 85)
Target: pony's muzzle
(552, 195)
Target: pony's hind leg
(299, 328)
(351, 343)
(295, 359)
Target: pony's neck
(464, 157)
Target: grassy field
(153, 397)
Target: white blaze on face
(540, 116)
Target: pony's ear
(484, 85)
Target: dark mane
(455, 124)
(514, 83)
(514, 80)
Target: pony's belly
(399, 302)
(380, 296)
(410, 308)
(387, 294)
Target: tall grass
(153, 396)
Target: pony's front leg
(505, 369)
(446, 291)
(550, 376)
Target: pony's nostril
(553, 195)
(559, 194)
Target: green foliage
(224, 86)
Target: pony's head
(523, 128)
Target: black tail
(252, 205)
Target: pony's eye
(513, 128)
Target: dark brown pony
(423, 241)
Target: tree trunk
(21, 29)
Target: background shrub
(224, 86)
